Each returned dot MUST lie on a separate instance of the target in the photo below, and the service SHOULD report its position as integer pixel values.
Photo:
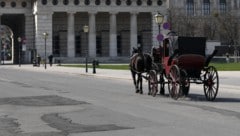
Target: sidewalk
(107, 73)
(228, 80)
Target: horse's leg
(140, 83)
(137, 84)
(162, 89)
(134, 80)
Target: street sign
(160, 37)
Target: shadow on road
(198, 97)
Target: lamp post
(45, 35)
(19, 51)
(85, 30)
(159, 20)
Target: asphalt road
(59, 104)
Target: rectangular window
(206, 7)
(235, 4)
(223, 6)
(190, 7)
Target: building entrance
(6, 44)
(16, 23)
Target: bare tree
(229, 30)
(222, 27)
(183, 24)
(208, 27)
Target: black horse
(139, 63)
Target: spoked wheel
(185, 82)
(211, 83)
(153, 83)
(174, 82)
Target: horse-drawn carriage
(183, 61)
(179, 62)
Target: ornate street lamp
(45, 36)
(159, 20)
(85, 30)
(19, 51)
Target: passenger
(227, 57)
(38, 60)
(50, 58)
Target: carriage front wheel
(211, 83)
(152, 83)
(174, 82)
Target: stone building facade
(115, 26)
(205, 7)
(198, 15)
(218, 20)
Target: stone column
(43, 23)
(29, 35)
(113, 35)
(70, 36)
(133, 31)
(92, 35)
(1, 39)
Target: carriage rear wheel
(153, 83)
(174, 82)
(211, 83)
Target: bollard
(94, 66)
(59, 62)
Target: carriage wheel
(211, 83)
(153, 83)
(185, 82)
(174, 82)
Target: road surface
(62, 104)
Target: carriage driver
(156, 53)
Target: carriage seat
(191, 61)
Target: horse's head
(136, 50)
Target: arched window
(108, 2)
(76, 2)
(65, 2)
(159, 2)
(139, 2)
(128, 2)
(55, 2)
(24, 4)
(3, 4)
(190, 7)
(87, 2)
(223, 6)
(149, 2)
(97, 2)
(44, 2)
(118, 2)
(206, 7)
(13, 4)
